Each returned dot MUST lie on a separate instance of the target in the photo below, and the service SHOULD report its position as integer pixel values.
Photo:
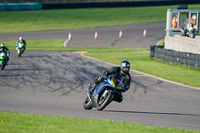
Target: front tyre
(87, 105)
(104, 100)
(2, 65)
(19, 55)
(19, 52)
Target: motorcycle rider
(22, 41)
(3, 48)
(122, 71)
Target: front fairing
(20, 48)
(102, 86)
(112, 83)
(20, 45)
(2, 57)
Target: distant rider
(21, 40)
(4, 49)
(122, 72)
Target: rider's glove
(104, 76)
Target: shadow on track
(154, 113)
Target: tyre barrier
(183, 58)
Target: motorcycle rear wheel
(87, 105)
(104, 101)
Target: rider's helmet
(125, 66)
(2, 45)
(20, 39)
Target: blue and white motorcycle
(106, 92)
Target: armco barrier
(184, 58)
(20, 6)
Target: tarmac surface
(55, 83)
(107, 36)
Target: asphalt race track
(54, 83)
(107, 36)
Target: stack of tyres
(192, 60)
(184, 58)
(177, 56)
(198, 59)
(159, 52)
(152, 51)
(172, 55)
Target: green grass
(18, 21)
(32, 123)
(139, 58)
(161, 42)
(141, 61)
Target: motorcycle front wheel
(104, 100)
(19, 52)
(19, 55)
(2, 65)
(87, 105)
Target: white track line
(65, 43)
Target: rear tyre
(104, 101)
(87, 105)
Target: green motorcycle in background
(3, 57)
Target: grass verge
(161, 42)
(139, 58)
(32, 123)
(19, 21)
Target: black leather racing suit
(125, 78)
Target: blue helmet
(125, 66)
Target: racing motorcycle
(106, 92)
(3, 57)
(20, 48)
